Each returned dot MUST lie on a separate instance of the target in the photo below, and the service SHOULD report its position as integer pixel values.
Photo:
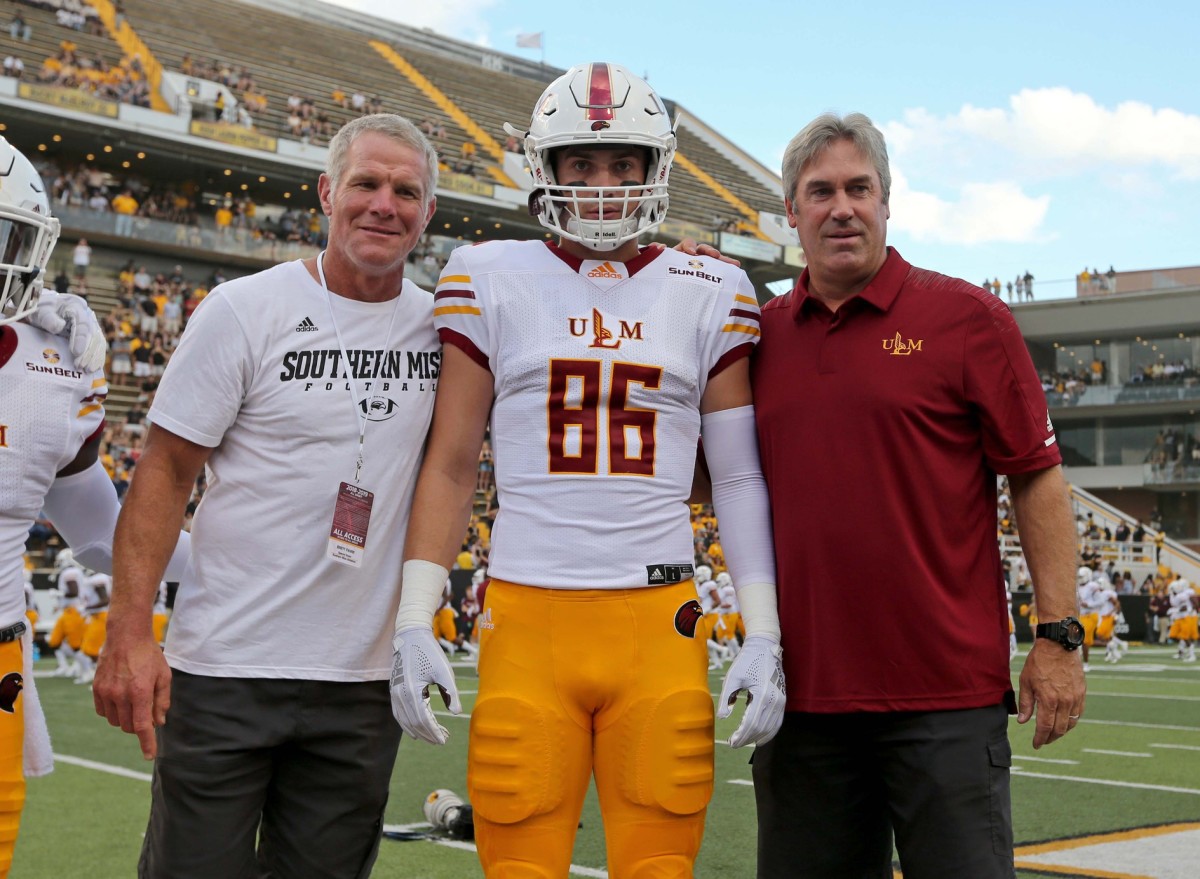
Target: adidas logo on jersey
(605, 270)
(485, 620)
(306, 326)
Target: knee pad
(514, 771)
(667, 752)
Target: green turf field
(1119, 798)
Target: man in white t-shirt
(305, 391)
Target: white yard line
(1045, 760)
(1116, 753)
(103, 767)
(1176, 747)
(1020, 773)
(1092, 693)
(1139, 725)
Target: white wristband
(422, 585)
(760, 613)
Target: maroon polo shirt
(882, 427)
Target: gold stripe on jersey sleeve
(88, 410)
(456, 309)
(454, 279)
(738, 328)
(99, 382)
(745, 300)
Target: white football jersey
(48, 410)
(599, 368)
(1105, 600)
(97, 593)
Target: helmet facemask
(593, 106)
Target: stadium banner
(793, 255)
(68, 99)
(234, 135)
(466, 184)
(752, 248)
(677, 230)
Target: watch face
(1074, 631)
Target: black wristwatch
(1068, 632)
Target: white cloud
(461, 19)
(1058, 131)
(979, 213)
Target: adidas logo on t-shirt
(306, 326)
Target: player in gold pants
(573, 682)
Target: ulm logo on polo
(899, 346)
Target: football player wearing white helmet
(600, 363)
(51, 416)
(1183, 615)
(28, 233)
(599, 114)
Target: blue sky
(1036, 136)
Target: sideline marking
(1091, 693)
(1031, 857)
(1175, 747)
(1142, 725)
(1116, 753)
(1132, 784)
(103, 767)
(1045, 760)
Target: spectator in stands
(81, 256)
(18, 29)
(1028, 279)
(230, 696)
(14, 67)
(124, 205)
(933, 752)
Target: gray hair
(823, 131)
(390, 125)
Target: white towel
(39, 758)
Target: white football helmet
(27, 234)
(594, 105)
(479, 576)
(1083, 575)
(703, 574)
(724, 579)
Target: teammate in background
(51, 416)
(160, 617)
(731, 631)
(445, 627)
(1184, 628)
(95, 596)
(600, 364)
(66, 638)
(1088, 589)
(1108, 607)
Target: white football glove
(758, 670)
(65, 314)
(417, 662)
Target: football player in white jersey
(51, 416)
(1087, 588)
(1184, 629)
(1107, 606)
(600, 363)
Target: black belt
(12, 633)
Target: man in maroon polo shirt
(888, 399)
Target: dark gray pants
(269, 778)
(832, 788)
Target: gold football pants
(12, 746)
(576, 682)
